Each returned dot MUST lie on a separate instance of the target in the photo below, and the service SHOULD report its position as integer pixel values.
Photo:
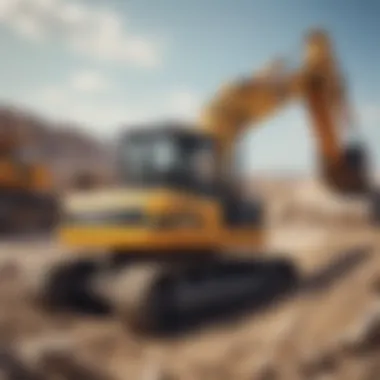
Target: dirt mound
(308, 201)
(330, 327)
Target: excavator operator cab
(182, 158)
(167, 156)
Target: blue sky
(108, 63)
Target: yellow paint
(212, 234)
(124, 198)
(120, 238)
(251, 237)
(154, 204)
(26, 177)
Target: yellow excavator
(27, 199)
(172, 240)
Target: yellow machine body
(167, 220)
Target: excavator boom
(318, 83)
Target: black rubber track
(68, 286)
(185, 296)
(217, 290)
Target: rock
(12, 367)
(324, 362)
(204, 371)
(69, 367)
(237, 351)
(365, 335)
(32, 351)
(153, 371)
(323, 377)
(9, 270)
(54, 356)
(265, 371)
(372, 370)
(375, 284)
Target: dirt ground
(328, 329)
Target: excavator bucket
(348, 176)
(355, 170)
(351, 177)
(355, 157)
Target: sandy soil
(329, 329)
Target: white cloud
(88, 81)
(184, 104)
(28, 27)
(16, 15)
(66, 103)
(51, 95)
(96, 32)
(5, 8)
(369, 113)
(73, 13)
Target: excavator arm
(319, 84)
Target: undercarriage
(156, 293)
